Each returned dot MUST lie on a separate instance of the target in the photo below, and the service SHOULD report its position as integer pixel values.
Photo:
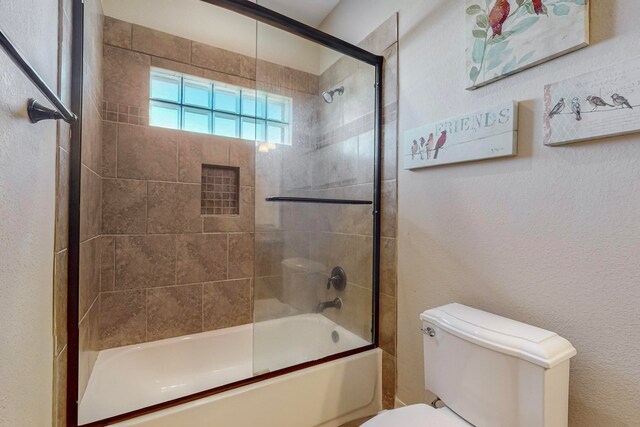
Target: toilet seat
(419, 415)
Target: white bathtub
(136, 376)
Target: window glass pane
(253, 107)
(248, 103)
(277, 133)
(210, 107)
(277, 110)
(226, 125)
(197, 93)
(165, 86)
(196, 120)
(226, 99)
(261, 108)
(253, 131)
(248, 130)
(164, 115)
(261, 130)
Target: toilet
(487, 371)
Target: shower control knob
(338, 279)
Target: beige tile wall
(347, 141)
(167, 270)
(90, 209)
(384, 41)
(62, 220)
(90, 194)
(340, 165)
(162, 261)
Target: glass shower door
(314, 189)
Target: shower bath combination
(207, 251)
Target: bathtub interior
(142, 375)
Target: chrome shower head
(328, 94)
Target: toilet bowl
(489, 371)
(419, 415)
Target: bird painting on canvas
(422, 147)
(575, 107)
(498, 15)
(508, 36)
(441, 141)
(429, 146)
(557, 109)
(621, 101)
(414, 149)
(597, 102)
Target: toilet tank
(496, 372)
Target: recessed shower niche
(220, 190)
(213, 211)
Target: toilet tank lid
(539, 346)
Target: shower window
(181, 101)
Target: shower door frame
(274, 19)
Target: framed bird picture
(504, 37)
(601, 103)
(485, 134)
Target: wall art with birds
(602, 102)
(500, 33)
(488, 133)
(441, 141)
(619, 103)
(575, 107)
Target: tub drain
(335, 336)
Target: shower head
(328, 94)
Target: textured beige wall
(27, 204)
(550, 237)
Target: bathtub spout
(335, 303)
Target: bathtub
(132, 377)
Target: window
(180, 101)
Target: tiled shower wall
(90, 209)
(90, 194)
(149, 228)
(167, 270)
(339, 166)
(384, 41)
(62, 220)
(343, 162)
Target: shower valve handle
(338, 279)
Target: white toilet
(489, 371)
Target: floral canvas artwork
(508, 36)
